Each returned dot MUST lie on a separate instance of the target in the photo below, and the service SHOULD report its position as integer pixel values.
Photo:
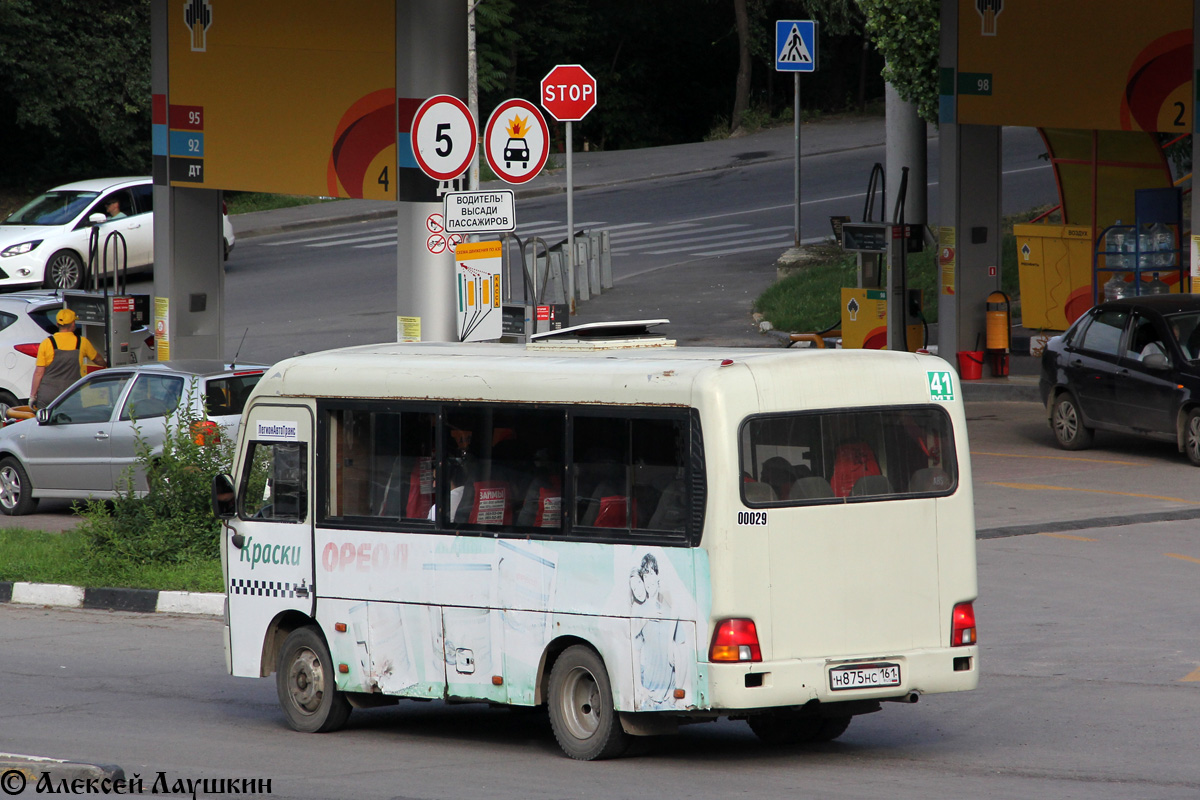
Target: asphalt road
(1089, 690)
(1090, 674)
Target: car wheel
(64, 270)
(304, 680)
(15, 489)
(1191, 436)
(582, 715)
(1067, 421)
(226, 241)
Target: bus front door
(269, 554)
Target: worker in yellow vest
(61, 360)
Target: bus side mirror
(224, 499)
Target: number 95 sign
(444, 137)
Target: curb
(103, 599)
(18, 771)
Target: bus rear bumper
(795, 682)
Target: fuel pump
(881, 311)
(107, 319)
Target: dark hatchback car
(1132, 366)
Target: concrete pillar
(1193, 250)
(189, 275)
(970, 211)
(431, 58)
(905, 147)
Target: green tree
(906, 32)
(75, 88)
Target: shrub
(173, 521)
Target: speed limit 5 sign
(444, 137)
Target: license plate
(864, 676)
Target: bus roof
(655, 376)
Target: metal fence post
(583, 286)
(593, 240)
(606, 278)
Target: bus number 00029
(752, 518)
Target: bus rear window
(840, 456)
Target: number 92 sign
(444, 137)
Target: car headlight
(19, 249)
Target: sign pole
(796, 52)
(796, 123)
(570, 215)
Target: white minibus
(635, 536)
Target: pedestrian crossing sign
(795, 45)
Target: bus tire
(582, 714)
(304, 680)
(783, 728)
(831, 728)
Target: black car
(1130, 365)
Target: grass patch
(40, 557)
(809, 300)
(245, 202)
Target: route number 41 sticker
(941, 386)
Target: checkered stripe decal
(261, 588)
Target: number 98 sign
(444, 137)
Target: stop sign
(568, 92)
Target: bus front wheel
(304, 680)
(582, 715)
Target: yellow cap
(65, 317)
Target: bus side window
(276, 485)
(512, 463)
(630, 473)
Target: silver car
(83, 443)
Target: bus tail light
(962, 629)
(735, 640)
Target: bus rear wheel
(304, 680)
(582, 715)
(782, 728)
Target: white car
(45, 242)
(83, 444)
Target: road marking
(1067, 536)
(1193, 676)
(391, 237)
(1061, 458)
(695, 241)
(746, 234)
(768, 246)
(342, 235)
(1036, 487)
(1183, 558)
(650, 237)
